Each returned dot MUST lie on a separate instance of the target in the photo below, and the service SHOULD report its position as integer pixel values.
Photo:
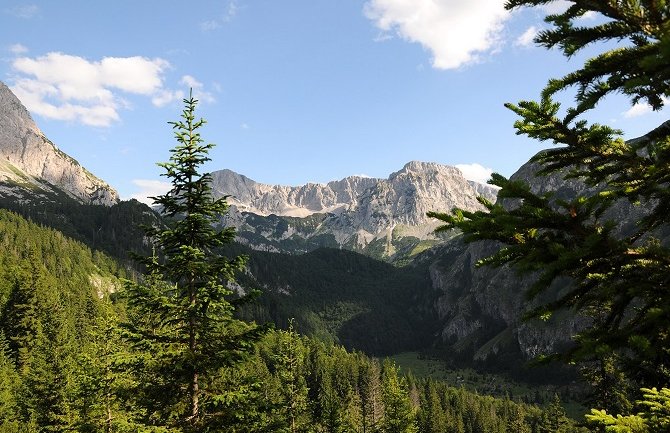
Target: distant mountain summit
(301, 201)
(384, 218)
(32, 165)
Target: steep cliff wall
(28, 159)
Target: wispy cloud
(559, 6)
(231, 10)
(18, 49)
(149, 188)
(641, 109)
(198, 89)
(24, 11)
(167, 96)
(637, 110)
(590, 15)
(209, 25)
(65, 87)
(456, 32)
(475, 172)
(527, 38)
(556, 7)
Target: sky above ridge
(293, 91)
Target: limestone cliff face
(406, 196)
(29, 159)
(301, 201)
(376, 216)
(481, 308)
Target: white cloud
(209, 25)
(475, 172)
(149, 188)
(65, 87)
(526, 39)
(199, 92)
(639, 109)
(18, 49)
(133, 74)
(560, 6)
(191, 81)
(230, 13)
(24, 11)
(165, 97)
(590, 15)
(556, 7)
(383, 37)
(456, 32)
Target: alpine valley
(345, 259)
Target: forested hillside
(64, 365)
(344, 297)
(53, 293)
(116, 229)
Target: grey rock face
(261, 199)
(27, 157)
(356, 212)
(481, 308)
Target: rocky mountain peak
(28, 158)
(426, 169)
(380, 216)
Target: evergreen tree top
(637, 66)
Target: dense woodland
(65, 366)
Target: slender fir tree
(290, 360)
(370, 386)
(20, 319)
(9, 384)
(399, 414)
(186, 330)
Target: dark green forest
(65, 366)
(338, 296)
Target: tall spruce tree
(370, 386)
(620, 280)
(9, 384)
(399, 414)
(186, 331)
(20, 318)
(290, 358)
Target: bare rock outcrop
(358, 213)
(28, 159)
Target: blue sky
(293, 91)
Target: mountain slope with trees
(66, 364)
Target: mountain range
(432, 298)
(382, 218)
